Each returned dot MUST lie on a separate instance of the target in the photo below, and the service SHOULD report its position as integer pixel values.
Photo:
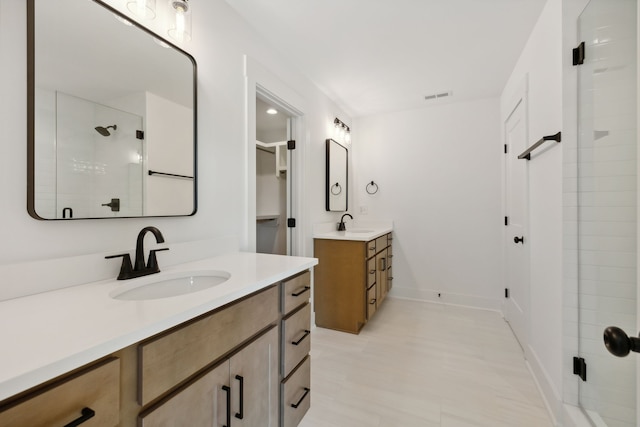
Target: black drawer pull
(227, 390)
(87, 413)
(295, 405)
(306, 334)
(297, 294)
(240, 415)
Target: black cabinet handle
(295, 405)
(227, 390)
(306, 334)
(297, 294)
(518, 239)
(240, 415)
(87, 413)
(619, 343)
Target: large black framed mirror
(111, 116)
(337, 185)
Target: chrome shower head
(104, 131)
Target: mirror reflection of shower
(104, 131)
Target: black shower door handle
(518, 239)
(619, 343)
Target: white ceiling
(374, 56)
(270, 123)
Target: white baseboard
(471, 301)
(549, 394)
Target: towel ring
(338, 188)
(371, 188)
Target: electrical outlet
(364, 210)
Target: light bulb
(347, 137)
(180, 27)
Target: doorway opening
(274, 180)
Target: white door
(516, 238)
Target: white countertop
(49, 334)
(357, 230)
(357, 234)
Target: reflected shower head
(104, 131)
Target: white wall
(541, 64)
(220, 41)
(438, 172)
(169, 149)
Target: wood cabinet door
(382, 264)
(254, 383)
(202, 403)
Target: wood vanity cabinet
(243, 364)
(351, 281)
(240, 391)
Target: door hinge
(291, 222)
(139, 134)
(291, 145)
(506, 150)
(580, 368)
(506, 220)
(506, 292)
(578, 54)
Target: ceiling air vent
(438, 95)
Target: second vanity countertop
(360, 231)
(48, 334)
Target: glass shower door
(99, 160)
(607, 207)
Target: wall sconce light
(342, 130)
(145, 9)
(179, 20)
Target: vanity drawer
(296, 394)
(371, 248)
(295, 291)
(61, 402)
(171, 358)
(296, 330)
(372, 302)
(371, 272)
(381, 243)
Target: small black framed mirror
(337, 184)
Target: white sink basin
(169, 285)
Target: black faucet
(139, 268)
(341, 225)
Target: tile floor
(424, 365)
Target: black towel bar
(527, 153)
(171, 175)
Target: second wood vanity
(245, 363)
(352, 279)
